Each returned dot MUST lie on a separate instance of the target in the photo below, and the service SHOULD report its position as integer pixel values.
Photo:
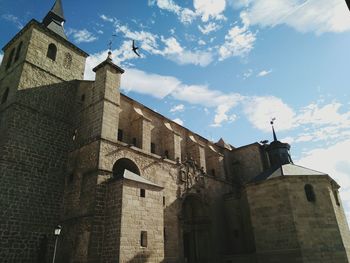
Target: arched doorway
(196, 231)
(124, 164)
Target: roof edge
(39, 25)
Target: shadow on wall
(141, 257)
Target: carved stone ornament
(67, 60)
(191, 175)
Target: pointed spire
(54, 19)
(273, 130)
(57, 9)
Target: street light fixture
(57, 232)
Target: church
(128, 185)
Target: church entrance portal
(196, 231)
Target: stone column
(107, 84)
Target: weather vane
(110, 43)
(272, 120)
(273, 129)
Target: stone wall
(33, 154)
(289, 228)
(247, 162)
(318, 231)
(141, 214)
(275, 232)
(239, 228)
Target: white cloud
(239, 41)
(107, 18)
(178, 108)
(329, 122)
(221, 115)
(326, 114)
(1, 57)
(148, 83)
(205, 9)
(237, 4)
(162, 86)
(201, 42)
(172, 49)
(208, 28)
(199, 58)
(172, 46)
(178, 54)
(264, 73)
(210, 9)
(185, 15)
(247, 73)
(260, 110)
(13, 19)
(303, 15)
(81, 36)
(178, 121)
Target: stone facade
(129, 185)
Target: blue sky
(224, 68)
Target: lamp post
(57, 233)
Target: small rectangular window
(153, 147)
(143, 239)
(142, 193)
(163, 200)
(166, 154)
(71, 178)
(336, 197)
(213, 172)
(120, 135)
(134, 141)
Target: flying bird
(135, 48)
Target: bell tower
(40, 54)
(37, 99)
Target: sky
(225, 68)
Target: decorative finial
(273, 129)
(109, 55)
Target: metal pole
(54, 251)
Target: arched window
(124, 164)
(309, 192)
(10, 58)
(5, 95)
(52, 51)
(18, 53)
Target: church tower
(40, 54)
(37, 96)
